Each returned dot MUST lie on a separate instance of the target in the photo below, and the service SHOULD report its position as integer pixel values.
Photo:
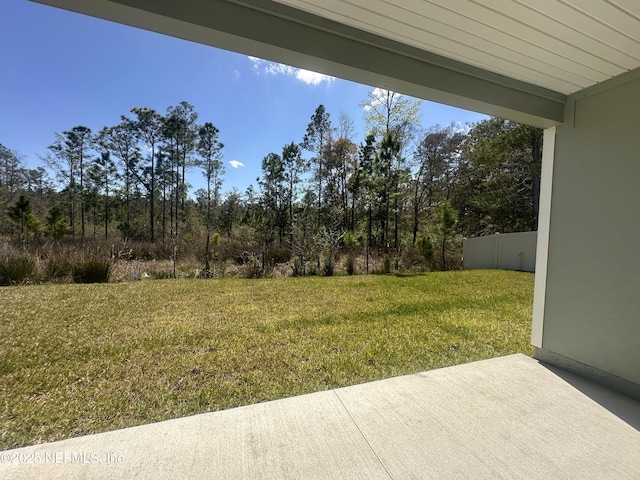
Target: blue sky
(59, 69)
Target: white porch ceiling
(561, 45)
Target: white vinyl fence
(507, 251)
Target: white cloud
(236, 164)
(306, 76)
(312, 78)
(379, 96)
(278, 68)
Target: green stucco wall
(592, 300)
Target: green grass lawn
(81, 359)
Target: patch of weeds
(16, 269)
(91, 270)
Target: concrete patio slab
(508, 417)
(310, 436)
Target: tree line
(402, 193)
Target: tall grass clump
(328, 264)
(386, 264)
(350, 243)
(91, 270)
(15, 269)
(351, 265)
(56, 268)
(254, 267)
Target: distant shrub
(254, 267)
(56, 267)
(56, 225)
(161, 274)
(312, 268)
(275, 255)
(425, 247)
(15, 269)
(132, 231)
(298, 267)
(351, 264)
(328, 264)
(150, 250)
(386, 263)
(351, 242)
(91, 271)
